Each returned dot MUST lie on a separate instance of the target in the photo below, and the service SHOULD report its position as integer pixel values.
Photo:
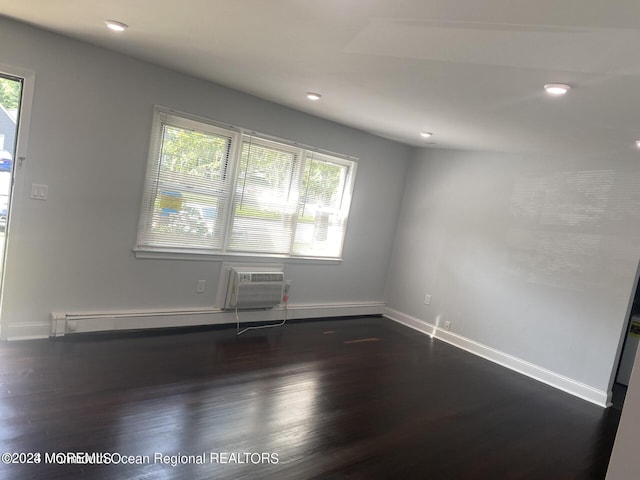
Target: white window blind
(188, 184)
(266, 198)
(212, 190)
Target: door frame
(20, 164)
(623, 333)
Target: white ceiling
(471, 71)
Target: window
(215, 190)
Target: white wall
(533, 257)
(88, 140)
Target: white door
(16, 93)
(10, 100)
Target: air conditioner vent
(248, 290)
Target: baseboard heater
(252, 290)
(65, 323)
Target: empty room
(319, 240)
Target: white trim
(251, 132)
(26, 331)
(167, 253)
(100, 321)
(20, 165)
(578, 389)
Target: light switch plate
(39, 192)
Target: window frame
(238, 136)
(152, 181)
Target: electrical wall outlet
(447, 325)
(427, 299)
(201, 285)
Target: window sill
(182, 254)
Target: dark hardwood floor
(359, 398)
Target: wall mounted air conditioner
(248, 289)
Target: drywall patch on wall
(560, 225)
(557, 259)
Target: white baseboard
(84, 322)
(26, 331)
(536, 372)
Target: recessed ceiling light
(557, 89)
(313, 96)
(116, 26)
(638, 143)
(426, 134)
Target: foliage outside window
(217, 190)
(10, 91)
